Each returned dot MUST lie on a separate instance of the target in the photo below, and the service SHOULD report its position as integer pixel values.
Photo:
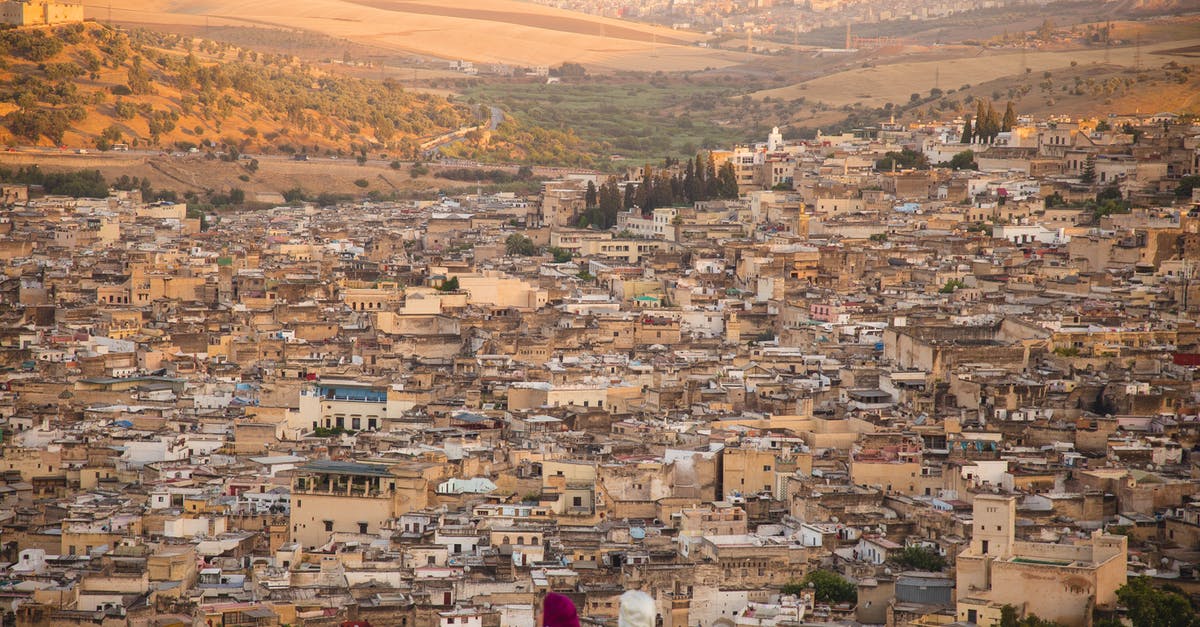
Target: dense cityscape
(912, 373)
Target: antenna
(1107, 40)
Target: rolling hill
(482, 31)
(894, 75)
(87, 85)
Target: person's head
(559, 611)
(637, 610)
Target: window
(767, 468)
(577, 502)
(362, 527)
(328, 525)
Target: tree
(569, 70)
(830, 587)
(1046, 31)
(1186, 185)
(449, 285)
(518, 245)
(561, 255)
(1009, 616)
(1010, 117)
(920, 558)
(109, 136)
(993, 122)
(1089, 170)
(964, 160)
(906, 159)
(951, 286)
(981, 129)
(1103, 126)
(727, 185)
(1154, 607)
(590, 195)
(967, 133)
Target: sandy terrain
(878, 85)
(491, 31)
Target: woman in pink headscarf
(559, 611)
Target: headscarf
(559, 611)
(637, 610)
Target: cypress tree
(589, 198)
(1010, 117)
(993, 118)
(710, 177)
(980, 133)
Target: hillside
(87, 85)
(892, 75)
(1147, 66)
(483, 31)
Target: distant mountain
(88, 85)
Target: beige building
(39, 12)
(1063, 583)
(349, 497)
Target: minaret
(774, 140)
(681, 604)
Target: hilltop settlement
(920, 374)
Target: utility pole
(1137, 54)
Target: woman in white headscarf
(637, 610)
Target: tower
(733, 328)
(995, 519)
(681, 603)
(774, 140)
